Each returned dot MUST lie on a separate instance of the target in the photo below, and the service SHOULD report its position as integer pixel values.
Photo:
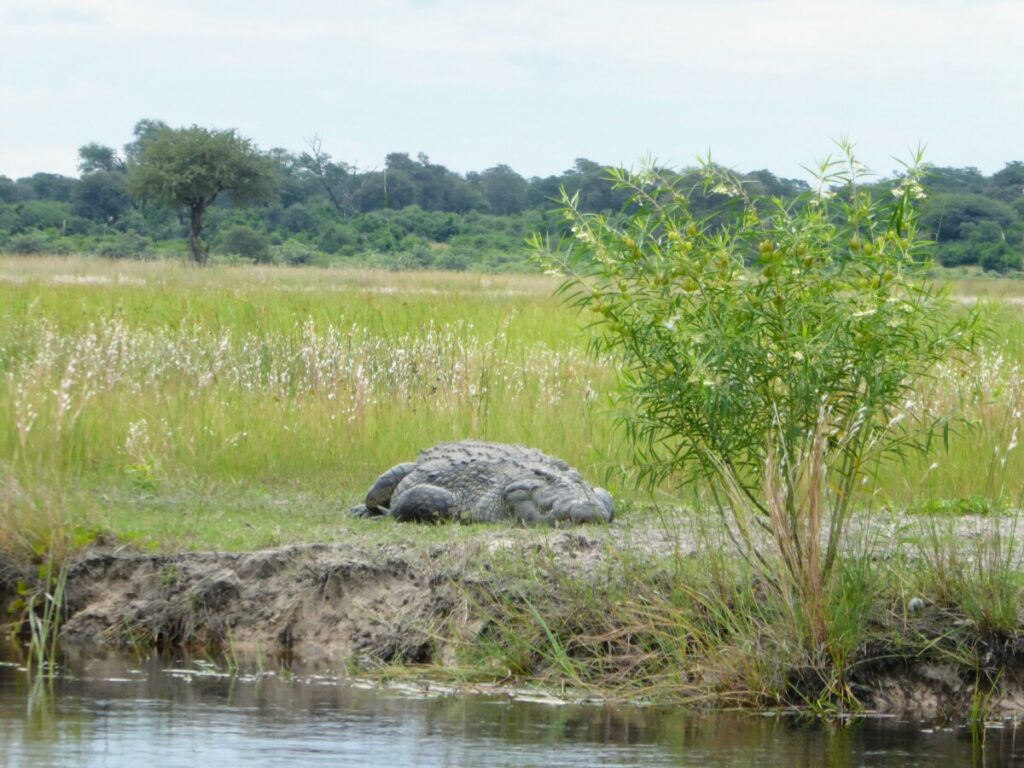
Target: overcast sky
(530, 83)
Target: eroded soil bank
(346, 606)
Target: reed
(45, 613)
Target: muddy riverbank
(358, 606)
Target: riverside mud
(367, 604)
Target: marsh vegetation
(166, 408)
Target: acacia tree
(191, 167)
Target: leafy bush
(299, 218)
(774, 388)
(246, 242)
(294, 252)
(124, 245)
(102, 196)
(997, 257)
(37, 214)
(338, 238)
(947, 214)
(8, 218)
(32, 242)
(8, 190)
(456, 261)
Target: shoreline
(433, 613)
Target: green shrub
(124, 245)
(456, 261)
(246, 242)
(774, 387)
(338, 238)
(32, 242)
(299, 218)
(42, 214)
(294, 252)
(998, 257)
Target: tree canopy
(192, 167)
(410, 211)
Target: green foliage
(365, 216)
(8, 190)
(776, 387)
(124, 245)
(145, 130)
(338, 238)
(1008, 184)
(946, 216)
(94, 158)
(192, 167)
(31, 242)
(293, 252)
(46, 186)
(977, 574)
(102, 196)
(39, 215)
(504, 190)
(299, 218)
(973, 505)
(45, 611)
(974, 229)
(998, 257)
(245, 242)
(956, 181)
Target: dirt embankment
(318, 602)
(338, 604)
(332, 603)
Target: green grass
(235, 407)
(977, 465)
(70, 291)
(702, 629)
(242, 407)
(173, 405)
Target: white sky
(531, 83)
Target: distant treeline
(412, 213)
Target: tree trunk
(197, 246)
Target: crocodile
(474, 481)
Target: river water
(162, 714)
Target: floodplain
(155, 409)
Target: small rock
(499, 544)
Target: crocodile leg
(378, 499)
(424, 503)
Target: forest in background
(412, 213)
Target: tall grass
(140, 388)
(704, 627)
(236, 407)
(158, 379)
(977, 465)
(699, 629)
(234, 403)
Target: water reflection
(109, 712)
